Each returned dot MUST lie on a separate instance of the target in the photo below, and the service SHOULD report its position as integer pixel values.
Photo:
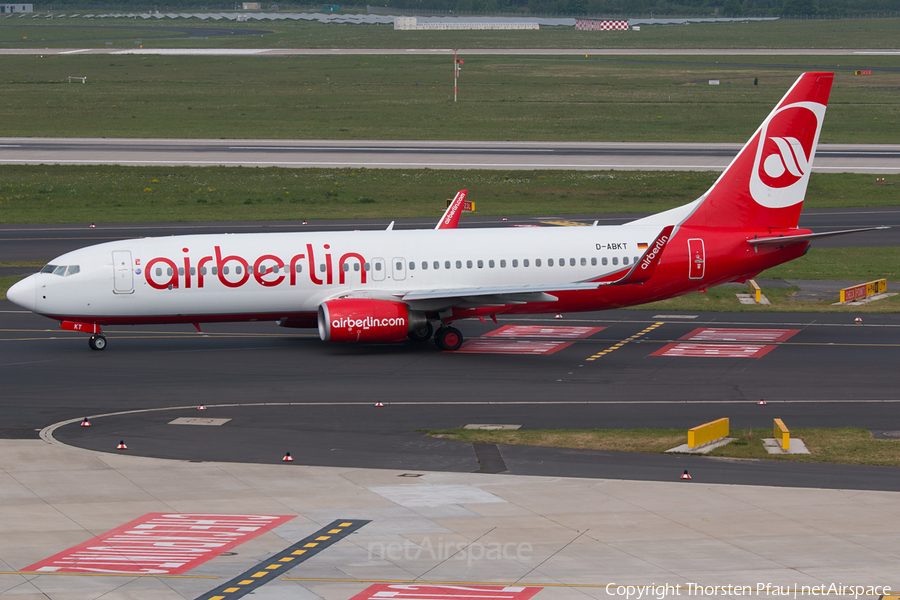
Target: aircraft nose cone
(22, 293)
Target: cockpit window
(61, 270)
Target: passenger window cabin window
(345, 267)
(572, 262)
(562, 262)
(424, 265)
(625, 260)
(459, 264)
(515, 262)
(193, 271)
(249, 269)
(298, 267)
(468, 264)
(203, 270)
(549, 262)
(366, 266)
(615, 260)
(480, 264)
(322, 268)
(275, 268)
(181, 271)
(377, 266)
(158, 272)
(224, 271)
(605, 261)
(502, 263)
(491, 264)
(447, 264)
(436, 265)
(635, 259)
(215, 270)
(238, 270)
(412, 265)
(593, 261)
(583, 262)
(355, 267)
(170, 272)
(48, 269)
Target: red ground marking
(420, 591)
(512, 347)
(159, 544)
(709, 334)
(536, 331)
(715, 350)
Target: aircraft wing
(451, 216)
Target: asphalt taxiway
(428, 510)
(830, 158)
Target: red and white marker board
(536, 331)
(489, 346)
(160, 544)
(423, 591)
(712, 334)
(715, 350)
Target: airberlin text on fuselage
(234, 271)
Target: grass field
(617, 99)
(843, 445)
(72, 194)
(844, 33)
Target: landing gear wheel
(423, 334)
(448, 338)
(97, 342)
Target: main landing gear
(448, 338)
(97, 342)
(423, 334)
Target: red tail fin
(451, 216)
(765, 184)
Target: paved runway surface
(830, 158)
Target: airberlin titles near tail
(385, 286)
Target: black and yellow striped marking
(625, 341)
(266, 571)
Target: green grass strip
(851, 445)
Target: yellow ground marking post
(625, 341)
(708, 432)
(782, 433)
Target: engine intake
(364, 320)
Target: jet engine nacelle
(365, 320)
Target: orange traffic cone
(558, 316)
(857, 320)
(122, 445)
(379, 404)
(201, 407)
(761, 402)
(686, 475)
(85, 423)
(287, 458)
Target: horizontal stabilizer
(781, 240)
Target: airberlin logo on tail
(784, 155)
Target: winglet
(451, 217)
(643, 269)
